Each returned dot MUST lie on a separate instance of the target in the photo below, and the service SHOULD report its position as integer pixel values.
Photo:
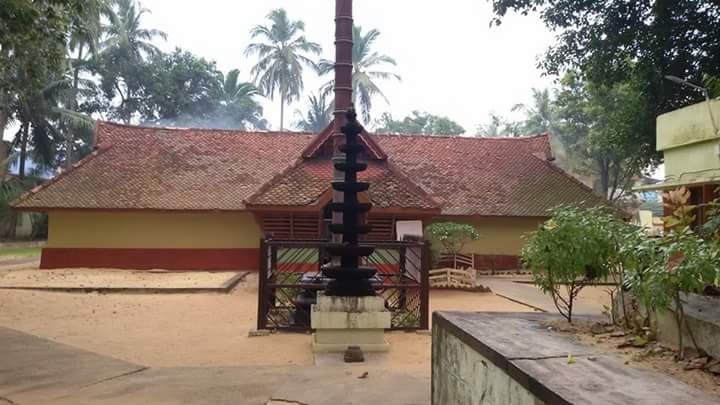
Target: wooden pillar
(343, 90)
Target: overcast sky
(451, 61)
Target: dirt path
(197, 330)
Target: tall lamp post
(705, 92)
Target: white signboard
(413, 228)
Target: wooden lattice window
(383, 228)
(291, 225)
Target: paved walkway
(533, 297)
(38, 371)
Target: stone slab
(349, 337)
(33, 369)
(337, 341)
(513, 335)
(348, 304)
(608, 381)
(350, 320)
(535, 360)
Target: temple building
(176, 199)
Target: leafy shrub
(574, 248)
(452, 236)
(661, 271)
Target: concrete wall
(687, 138)
(460, 375)
(149, 230)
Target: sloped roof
(193, 169)
(169, 169)
(304, 184)
(487, 176)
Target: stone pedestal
(340, 322)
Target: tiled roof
(307, 181)
(169, 169)
(192, 169)
(487, 176)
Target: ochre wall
(152, 240)
(498, 235)
(152, 230)
(500, 243)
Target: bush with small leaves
(574, 248)
(452, 236)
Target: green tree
(540, 115)
(572, 249)
(665, 270)
(499, 126)
(83, 43)
(32, 48)
(282, 55)
(182, 89)
(125, 31)
(122, 59)
(419, 123)
(238, 107)
(601, 138)
(318, 115)
(616, 41)
(365, 73)
(179, 87)
(452, 236)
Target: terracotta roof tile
(487, 176)
(308, 180)
(170, 169)
(192, 169)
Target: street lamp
(705, 92)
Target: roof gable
(374, 150)
(308, 181)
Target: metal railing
(290, 277)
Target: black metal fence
(290, 277)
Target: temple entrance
(290, 276)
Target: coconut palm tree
(364, 75)
(126, 33)
(318, 116)
(282, 55)
(126, 43)
(540, 116)
(238, 104)
(83, 44)
(42, 118)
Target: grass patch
(13, 252)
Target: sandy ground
(109, 278)
(198, 330)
